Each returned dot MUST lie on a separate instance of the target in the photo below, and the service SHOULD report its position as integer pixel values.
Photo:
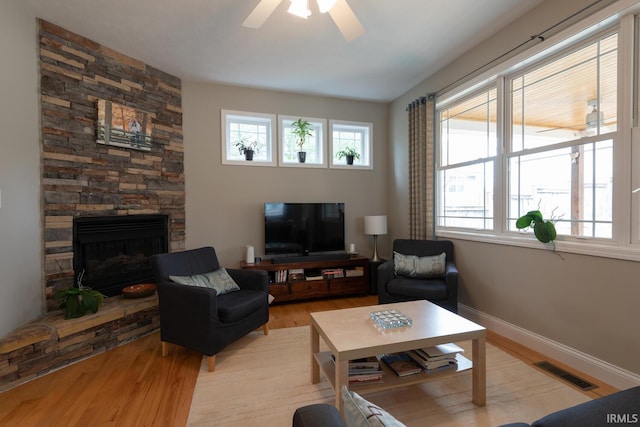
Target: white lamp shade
(375, 225)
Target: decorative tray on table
(393, 318)
(140, 290)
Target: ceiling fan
(340, 12)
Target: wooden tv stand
(294, 289)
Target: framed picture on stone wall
(123, 126)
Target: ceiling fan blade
(263, 10)
(346, 20)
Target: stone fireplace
(84, 182)
(112, 252)
(88, 186)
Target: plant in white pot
(301, 129)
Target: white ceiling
(203, 40)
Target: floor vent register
(566, 376)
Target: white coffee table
(350, 334)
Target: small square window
(243, 131)
(314, 146)
(347, 138)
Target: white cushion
(217, 279)
(359, 412)
(415, 267)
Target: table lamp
(375, 226)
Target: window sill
(588, 247)
(302, 165)
(248, 163)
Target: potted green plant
(349, 153)
(248, 148)
(544, 230)
(301, 129)
(76, 302)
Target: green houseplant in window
(301, 129)
(544, 230)
(349, 153)
(248, 148)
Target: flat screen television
(299, 229)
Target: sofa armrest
(317, 415)
(451, 278)
(386, 273)
(595, 413)
(257, 280)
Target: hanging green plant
(544, 230)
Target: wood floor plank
(134, 385)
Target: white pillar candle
(250, 256)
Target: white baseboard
(603, 371)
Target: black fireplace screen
(112, 252)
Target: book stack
(401, 363)
(313, 274)
(354, 272)
(367, 369)
(281, 276)
(437, 358)
(332, 273)
(296, 274)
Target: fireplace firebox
(112, 252)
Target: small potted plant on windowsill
(544, 230)
(301, 129)
(349, 153)
(248, 148)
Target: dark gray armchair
(197, 317)
(441, 290)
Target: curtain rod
(537, 37)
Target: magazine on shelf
(365, 362)
(364, 370)
(443, 350)
(433, 365)
(401, 363)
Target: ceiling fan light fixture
(300, 8)
(595, 117)
(325, 6)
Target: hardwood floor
(133, 385)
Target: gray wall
(225, 203)
(586, 303)
(21, 295)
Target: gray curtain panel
(421, 167)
